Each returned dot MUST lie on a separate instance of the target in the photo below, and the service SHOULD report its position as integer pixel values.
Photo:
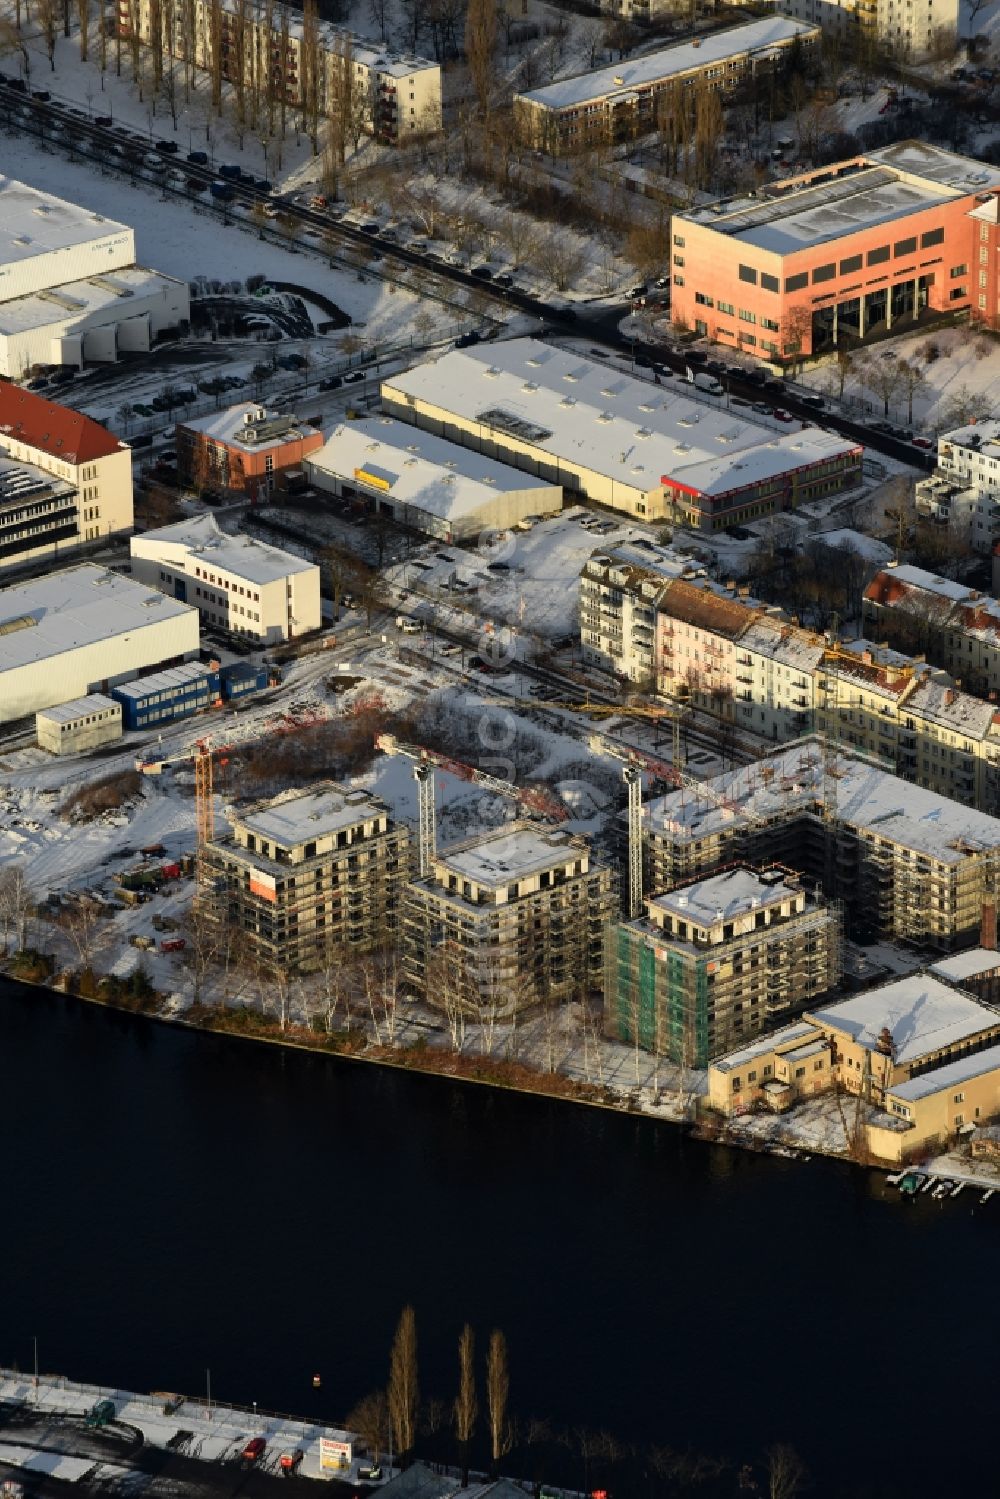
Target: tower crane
(634, 762)
(202, 755)
(425, 761)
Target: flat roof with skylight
(37, 223)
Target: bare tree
(480, 45)
(404, 1391)
(370, 1419)
(466, 1403)
(497, 1393)
(47, 14)
(786, 1473)
(11, 41)
(560, 258)
(15, 904)
(883, 378)
(914, 382)
(83, 21)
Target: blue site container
(175, 693)
(241, 678)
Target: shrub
(107, 795)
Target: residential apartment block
(310, 873)
(686, 637)
(64, 480)
(964, 489)
(908, 29)
(956, 627)
(716, 961)
(906, 863)
(833, 256)
(510, 918)
(266, 46)
(237, 583)
(619, 102)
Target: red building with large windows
(841, 255)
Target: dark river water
(173, 1202)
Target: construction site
(905, 863)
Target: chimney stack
(988, 925)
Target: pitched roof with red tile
(51, 428)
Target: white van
(708, 383)
(408, 626)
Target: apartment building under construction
(718, 960)
(906, 863)
(309, 873)
(508, 919)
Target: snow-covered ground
(219, 1432)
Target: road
(69, 127)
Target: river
(177, 1201)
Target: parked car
(290, 1462)
(170, 147)
(781, 415)
(926, 443)
(198, 158)
(254, 1450)
(332, 382)
(408, 626)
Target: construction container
(166, 695)
(241, 679)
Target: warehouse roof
(76, 299)
(522, 848)
(207, 545)
(966, 965)
(300, 816)
(80, 707)
(418, 468)
(57, 430)
(727, 474)
(867, 797)
(725, 896)
(921, 1014)
(668, 62)
(79, 606)
(36, 223)
(581, 412)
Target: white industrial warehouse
(70, 290)
(237, 583)
(83, 630)
(597, 432)
(426, 482)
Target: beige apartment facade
(508, 919)
(310, 875)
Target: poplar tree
(404, 1390)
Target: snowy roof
(881, 188)
(960, 711)
(983, 437)
(966, 965)
(580, 411)
(725, 474)
(922, 1015)
(661, 562)
(867, 797)
(379, 57)
(75, 607)
(919, 577)
(71, 299)
(725, 896)
(786, 644)
(207, 545)
(418, 468)
(810, 1049)
(250, 427)
(35, 223)
(300, 816)
(163, 681)
(668, 62)
(80, 707)
(512, 852)
(798, 1031)
(949, 1076)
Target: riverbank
(814, 1127)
